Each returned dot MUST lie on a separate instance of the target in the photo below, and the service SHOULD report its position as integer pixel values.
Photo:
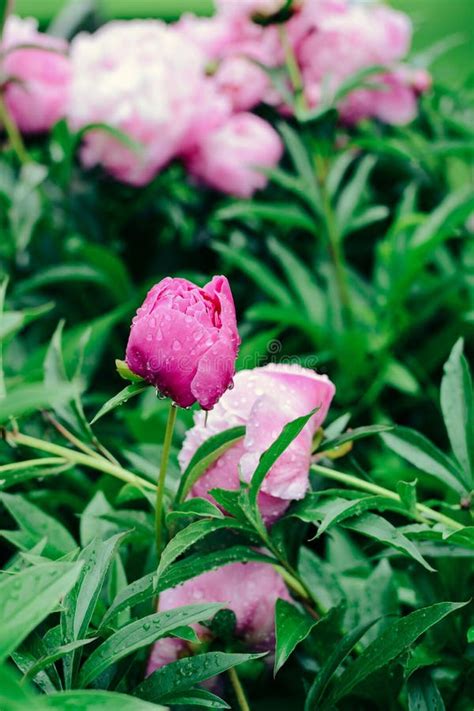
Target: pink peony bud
(37, 79)
(250, 590)
(184, 340)
(264, 400)
(228, 158)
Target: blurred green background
(434, 20)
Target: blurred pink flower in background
(250, 590)
(228, 158)
(184, 340)
(37, 78)
(145, 79)
(264, 400)
(334, 40)
(249, 8)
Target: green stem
(335, 251)
(354, 481)
(14, 136)
(160, 490)
(97, 463)
(31, 463)
(293, 71)
(238, 690)
(293, 580)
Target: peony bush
(236, 403)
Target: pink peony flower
(250, 590)
(37, 79)
(334, 40)
(144, 78)
(184, 340)
(234, 47)
(228, 158)
(264, 399)
(242, 82)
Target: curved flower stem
(101, 454)
(354, 481)
(293, 70)
(238, 689)
(14, 135)
(160, 490)
(70, 455)
(334, 244)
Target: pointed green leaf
(28, 597)
(122, 397)
(188, 536)
(423, 455)
(185, 673)
(331, 665)
(37, 525)
(142, 633)
(291, 628)
(457, 403)
(384, 532)
(205, 455)
(394, 640)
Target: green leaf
(188, 536)
(407, 493)
(195, 507)
(18, 472)
(457, 404)
(14, 695)
(93, 701)
(423, 694)
(351, 196)
(335, 510)
(384, 532)
(26, 207)
(122, 397)
(197, 697)
(284, 316)
(353, 436)
(289, 432)
(331, 665)
(38, 525)
(456, 207)
(184, 673)
(302, 281)
(56, 654)
(80, 603)
(357, 80)
(288, 216)
(302, 163)
(142, 633)
(291, 628)
(14, 321)
(28, 398)
(423, 455)
(205, 455)
(28, 597)
(149, 585)
(125, 373)
(257, 271)
(394, 640)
